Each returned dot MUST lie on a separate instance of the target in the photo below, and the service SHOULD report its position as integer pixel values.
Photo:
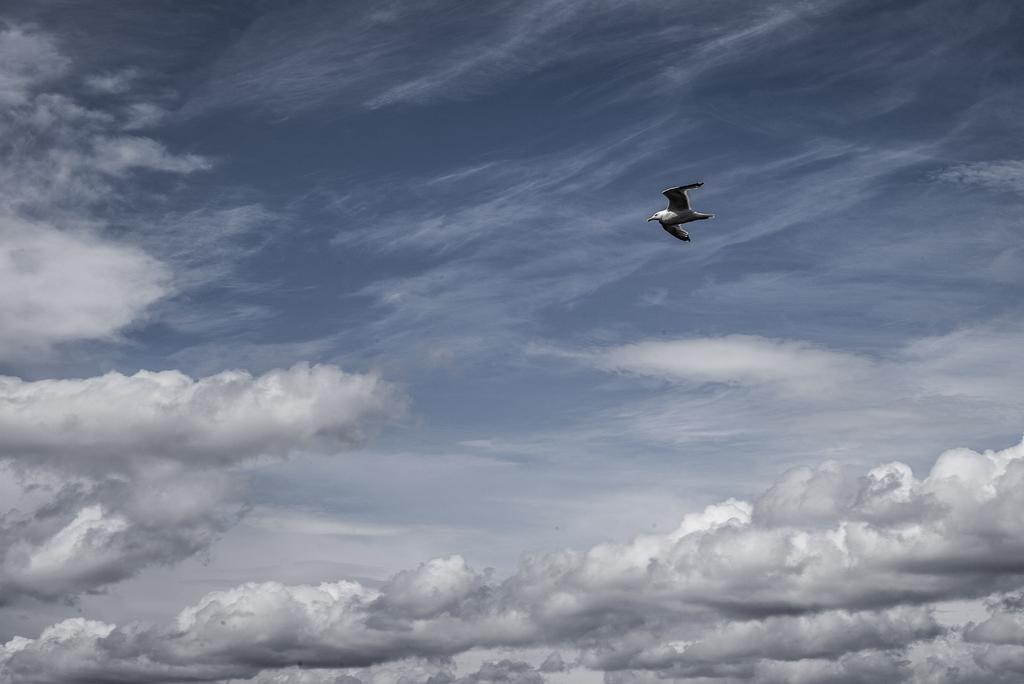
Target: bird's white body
(679, 212)
(668, 217)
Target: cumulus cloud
(110, 474)
(61, 286)
(741, 591)
(115, 419)
(61, 536)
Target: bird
(679, 212)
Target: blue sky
(446, 201)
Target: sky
(335, 347)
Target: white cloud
(89, 527)
(111, 474)
(1005, 175)
(112, 83)
(61, 535)
(797, 400)
(739, 592)
(116, 155)
(791, 367)
(223, 418)
(94, 470)
(61, 286)
(140, 115)
(26, 59)
(64, 159)
(62, 279)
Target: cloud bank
(221, 419)
(104, 476)
(829, 575)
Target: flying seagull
(678, 212)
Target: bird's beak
(652, 218)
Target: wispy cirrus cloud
(287, 61)
(548, 232)
(1004, 175)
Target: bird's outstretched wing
(677, 232)
(677, 198)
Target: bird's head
(654, 217)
